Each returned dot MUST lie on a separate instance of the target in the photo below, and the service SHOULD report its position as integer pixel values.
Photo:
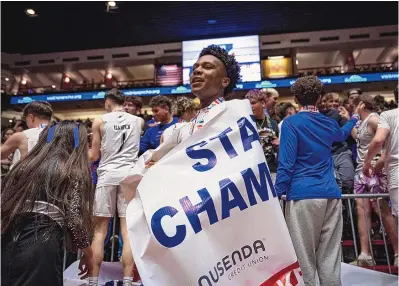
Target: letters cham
(227, 189)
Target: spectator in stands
(267, 128)
(346, 105)
(380, 104)
(185, 111)
(333, 100)
(270, 100)
(162, 111)
(352, 95)
(341, 151)
(46, 197)
(387, 133)
(133, 105)
(285, 109)
(306, 175)
(376, 184)
(7, 133)
(20, 127)
(6, 163)
(37, 115)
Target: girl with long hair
(47, 196)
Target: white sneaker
(364, 260)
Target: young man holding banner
(306, 175)
(206, 213)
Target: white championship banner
(207, 213)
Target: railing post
(383, 236)
(352, 227)
(113, 239)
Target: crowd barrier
(348, 204)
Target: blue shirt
(305, 164)
(152, 136)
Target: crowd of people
(316, 149)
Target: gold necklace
(263, 122)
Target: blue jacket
(152, 136)
(305, 164)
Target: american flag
(169, 75)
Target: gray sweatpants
(315, 226)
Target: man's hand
(343, 112)
(276, 142)
(359, 108)
(368, 169)
(149, 164)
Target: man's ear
(225, 82)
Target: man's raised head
(132, 104)
(215, 74)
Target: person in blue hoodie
(305, 175)
(162, 111)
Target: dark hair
(230, 63)
(4, 134)
(368, 101)
(381, 104)
(115, 95)
(354, 91)
(395, 93)
(51, 171)
(307, 90)
(283, 108)
(137, 101)
(162, 101)
(40, 109)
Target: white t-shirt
(389, 120)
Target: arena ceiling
(71, 26)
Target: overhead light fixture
(102, 85)
(67, 79)
(53, 86)
(7, 79)
(297, 62)
(10, 120)
(111, 3)
(23, 82)
(30, 12)
(109, 75)
(276, 57)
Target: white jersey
(32, 136)
(119, 146)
